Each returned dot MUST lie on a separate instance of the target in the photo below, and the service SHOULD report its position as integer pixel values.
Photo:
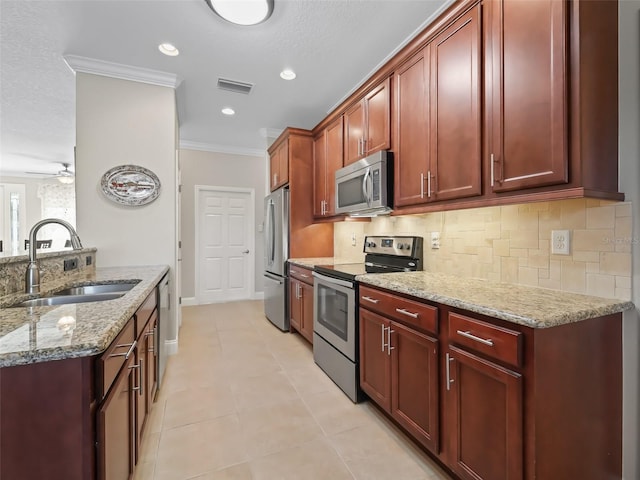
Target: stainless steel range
(335, 318)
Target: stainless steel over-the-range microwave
(365, 188)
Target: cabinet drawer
(110, 362)
(300, 273)
(144, 312)
(497, 342)
(407, 311)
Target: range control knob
(371, 244)
(407, 246)
(400, 246)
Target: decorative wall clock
(130, 185)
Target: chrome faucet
(32, 277)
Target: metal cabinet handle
(383, 328)
(389, 347)
(407, 312)
(493, 178)
(429, 184)
(305, 276)
(369, 299)
(364, 146)
(422, 185)
(448, 361)
(471, 336)
(128, 354)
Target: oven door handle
(335, 281)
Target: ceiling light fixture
(242, 12)
(168, 49)
(65, 176)
(288, 74)
(228, 111)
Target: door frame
(252, 238)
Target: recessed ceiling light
(288, 74)
(245, 12)
(228, 111)
(168, 49)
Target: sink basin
(96, 289)
(66, 299)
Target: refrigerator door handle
(270, 233)
(275, 278)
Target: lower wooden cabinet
(301, 301)
(497, 400)
(486, 432)
(399, 371)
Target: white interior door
(225, 243)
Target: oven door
(334, 315)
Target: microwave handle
(365, 191)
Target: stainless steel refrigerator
(276, 235)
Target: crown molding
(209, 147)
(124, 72)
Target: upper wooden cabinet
(528, 135)
(327, 158)
(279, 162)
(367, 124)
(437, 117)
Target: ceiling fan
(63, 176)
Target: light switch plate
(435, 240)
(561, 242)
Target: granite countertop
(39, 334)
(530, 306)
(312, 262)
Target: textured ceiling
(333, 45)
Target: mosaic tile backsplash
(512, 244)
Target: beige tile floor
(244, 401)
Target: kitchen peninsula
(78, 380)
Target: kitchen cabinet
(528, 113)
(437, 121)
(498, 400)
(301, 301)
(367, 124)
(327, 158)
(486, 400)
(399, 364)
(306, 238)
(279, 165)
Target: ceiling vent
(235, 86)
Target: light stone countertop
(530, 306)
(312, 262)
(31, 335)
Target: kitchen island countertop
(39, 334)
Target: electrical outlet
(70, 264)
(561, 242)
(435, 240)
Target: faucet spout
(32, 276)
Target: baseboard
(189, 301)
(171, 347)
(258, 296)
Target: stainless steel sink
(66, 299)
(97, 289)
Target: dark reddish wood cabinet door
(487, 439)
(295, 304)
(283, 158)
(375, 362)
(116, 428)
(378, 118)
(354, 133)
(274, 164)
(319, 174)
(306, 292)
(411, 126)
(528, 87)
(152, 362)
(414, 392)
(456, 155)
(334, 161)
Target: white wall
(629, 125)
(219, 170)
(120, 122)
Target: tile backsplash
(512, 244)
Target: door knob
(245, 251)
